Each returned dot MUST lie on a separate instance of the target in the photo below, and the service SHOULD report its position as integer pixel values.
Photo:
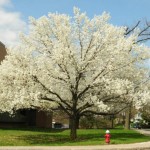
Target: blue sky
(122, 11)
(16, 12)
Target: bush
(92, 121)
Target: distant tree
(142, 37)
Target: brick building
(25, 117)
(2, 51)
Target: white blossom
(74, 62)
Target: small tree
(82, 66)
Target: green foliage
(92, 121)
(59, 137)
(87, 122)
(146, 118)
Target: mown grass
(47, 137)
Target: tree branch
(53, 93)
(128, 31)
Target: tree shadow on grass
(44, 139)
(35, 129)
(56, 139)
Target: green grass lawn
(32, 137)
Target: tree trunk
(127, 118)
(73, 128)
(77, 122)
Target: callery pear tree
(80, 65)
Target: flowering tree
(80, 65)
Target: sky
(14, 14)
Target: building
(25, 117)
(2, 51)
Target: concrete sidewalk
(135, 146)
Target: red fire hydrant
(107, 137)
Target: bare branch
(128, 31)
(143, 40)
(64, 109)
(144, 34)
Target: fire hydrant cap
(107, 131)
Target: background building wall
(2, 51)
(24, 117)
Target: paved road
(135, 146)
(144, 131)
